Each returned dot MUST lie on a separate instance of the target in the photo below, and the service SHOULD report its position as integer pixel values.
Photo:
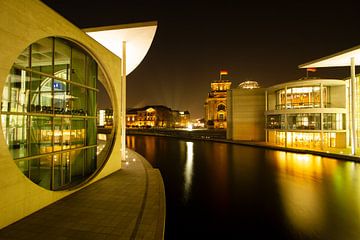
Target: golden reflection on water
(188, 170)
(307, 185)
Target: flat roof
(138, 37)
(340, 59)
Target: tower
(215, 103)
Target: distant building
(156, 116)
(181, 119)
(215, 104)
(105, 118)
(306, 113)
(245, 112)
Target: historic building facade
(215, 104)
(157, 116)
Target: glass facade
(311, 140)
(302, 97)
(275, 121)
(307, 121)
(48, 113)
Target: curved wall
(23, 22)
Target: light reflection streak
(188, 170)
(300, 190)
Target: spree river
(226, 191)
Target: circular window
(49, 113)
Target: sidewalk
(128, 204)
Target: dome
(249, 85)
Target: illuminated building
(309, 113)
(245, 112)
(105, 118)
(215, 103)
(348, 58)
(149, 116)
(156, 116)
(249, 85)
(49, 73)
(181, 119)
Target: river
(227, 191)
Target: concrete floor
(128, 204)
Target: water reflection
(314, 190)
(188, 170)
(234, 189)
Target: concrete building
(245, 112)
(348, 58)
(308, 113)
(215, 104)
(48, 74)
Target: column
(353, 107)
(123, 102)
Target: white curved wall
(23, 22)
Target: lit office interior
(48, 113)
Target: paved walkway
(128, 204)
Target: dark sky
(255, 40)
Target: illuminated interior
(301, 97)
(308, 114)
(48, 113)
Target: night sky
(257, 41)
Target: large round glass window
(48, 113)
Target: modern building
(349, 58)
(215, 103)
(245, 112)
(308, 113)
(49, 70)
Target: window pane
(40, 171)
(77, 132)
(62, 56)
(91, 72)
(90, 163)
(66, 132)
(91, 132)
(78, 100)
(77, 165)
(41, 94)
(16, 91)
(78, 66)
(15, 133)
(41, 135)
(91, 103)
(41, 55)
(65, 164)
(58, 134)
(23, 59)
(61, 98)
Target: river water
(226, 191)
